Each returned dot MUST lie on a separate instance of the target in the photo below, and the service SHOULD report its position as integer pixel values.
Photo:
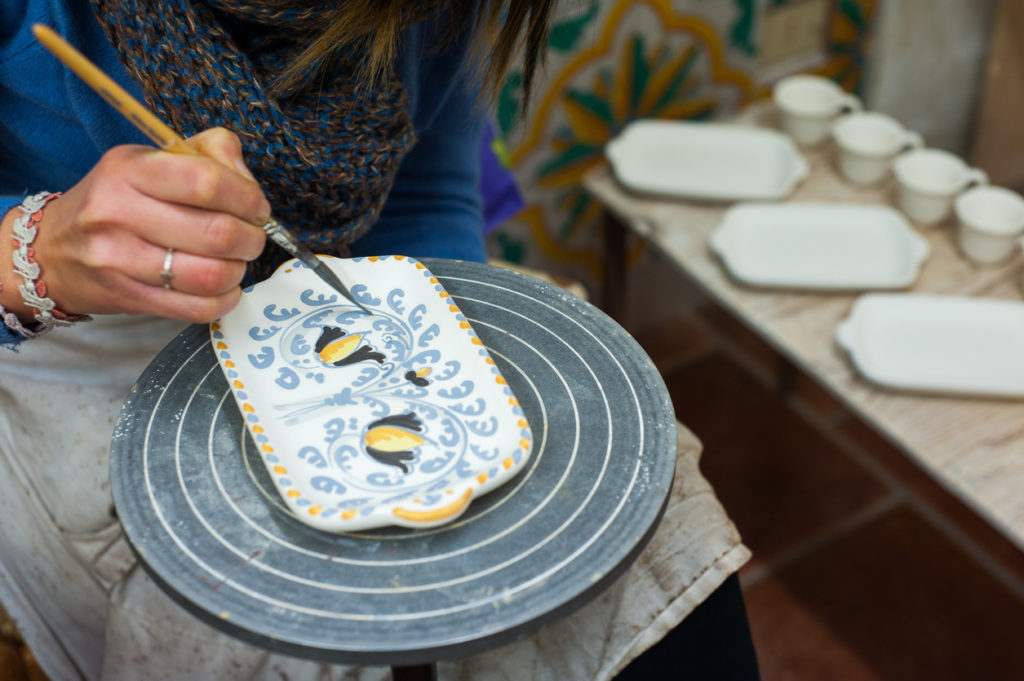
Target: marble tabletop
(973, 446)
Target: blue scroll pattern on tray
(390, 411)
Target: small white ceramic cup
(868, 142)
(929, 179)
(807, 106)
(991, 220)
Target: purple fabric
(498, 186)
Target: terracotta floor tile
(32, 670)
(12, 666)
(780, 480)
(7, 628)
(794, 644)
(893, 599)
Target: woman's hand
(102, 245)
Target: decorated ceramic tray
(396, 418)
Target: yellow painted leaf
(570, 176)
(592, 211)
(588, 126)
(341, 348)
(844, 30)
(662, 79)
(623, 82)
(688, 109)
(390, 439)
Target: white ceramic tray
(819, 246)
(712, 161)
(399, 418)
(937, 344)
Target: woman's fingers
(224, 146)
(199, 182)
(146, 299)
(139, 260)
(109, 278)
(110, 291)
(184, 228)
(161, 202)
(189, 273)
(104, 244)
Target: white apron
(89, 613)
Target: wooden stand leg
(613, 290)
(419, 672)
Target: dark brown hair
(502, 30)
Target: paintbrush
(168, 140)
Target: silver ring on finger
(166, 274)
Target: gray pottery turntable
(205, 521)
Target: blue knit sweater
(54, 128)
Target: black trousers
(712, 644)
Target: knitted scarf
(325, 152)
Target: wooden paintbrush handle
(158, 131)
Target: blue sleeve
(8, 337)
(435, 208)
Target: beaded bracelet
(33, 291)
